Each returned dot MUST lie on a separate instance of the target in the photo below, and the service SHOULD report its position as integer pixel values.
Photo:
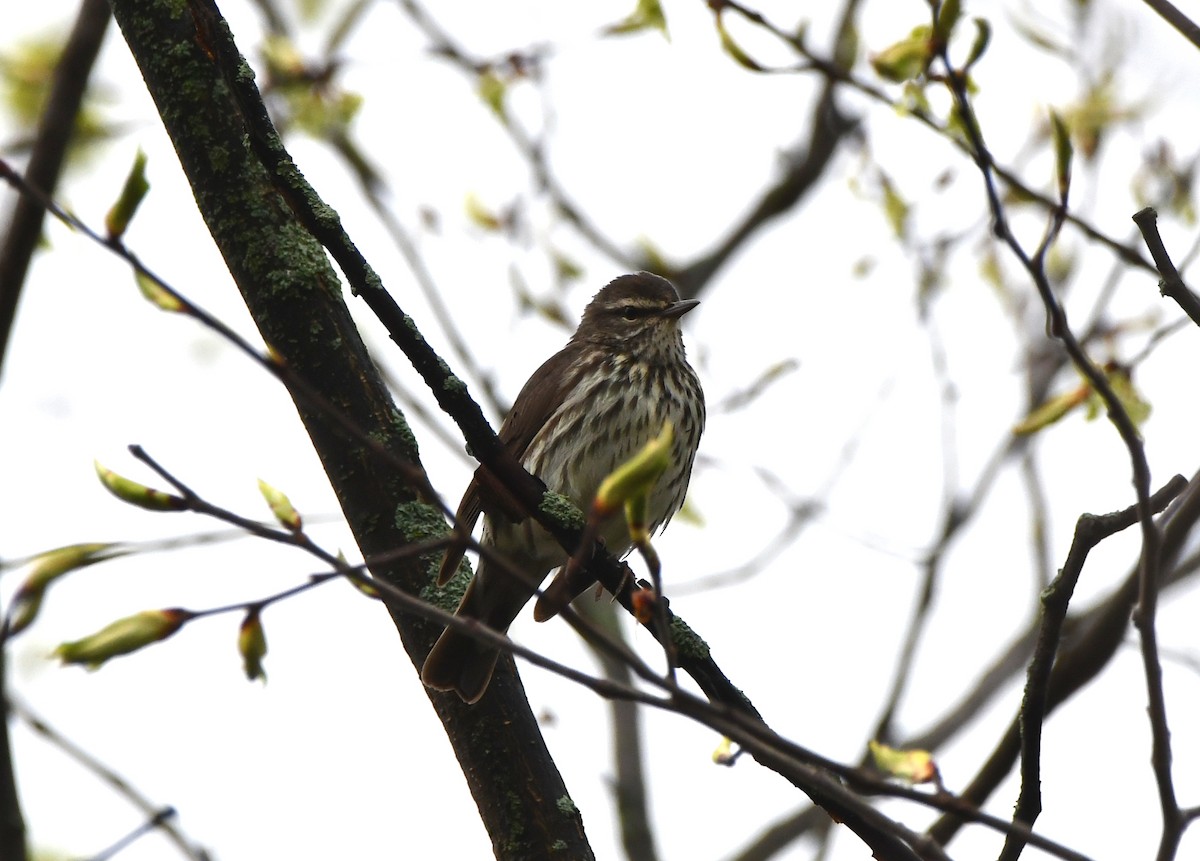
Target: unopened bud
(140, 495)
(281, 506)
(723, 755)
(644, 602)
(44, 570)
(123, 636)
(252, 643)
(911, 766)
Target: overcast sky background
(340, 755)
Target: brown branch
(207, 99)
(188, 61)
(1090, 641)
(1058, 328)
(1090, 530)
(829, 128)
(118, 784)
(1182, 23)
(54, 135)
(533, 151)
(1171, 285)
(837, 72)
(629, 785)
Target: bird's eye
(629, 312)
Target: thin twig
(1182, 23)
(1090, 530)
(1171, 285)
(1058, 328)
(118, 783)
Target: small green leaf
(733, 49)
(631, 482)
(845, 52)
(27, 71)
(480, 215)
(155, 292)
(947, 19)
(566, 268)
(492, 89)
(648, 15)
(284, 60)
(895, 208)
(983, 37)
(1121, 381)
(906, 59)
(116, 222)
(1063, 154)
(1052, 411)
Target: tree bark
(186, 56)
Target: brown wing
(539, 398)
(467, 515)
(535, 403)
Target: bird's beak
(678, 309)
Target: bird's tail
(460, 663)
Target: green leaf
(636, 476)
(1063, 154)
(27, 71)
(492, 89)
(733, 49)
(116, 222)
(895, 208)
(480, 215)
(947, 17)
(156, 293)
(845, 52)
(648, 15)
(906, 59)
(566, 268)
(983, 37)
(1052, 411)
(1120, 379)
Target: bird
(587, 409)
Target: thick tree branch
(295, 299)
(286, 284)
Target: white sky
(340, 755)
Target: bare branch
(1171, 285)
